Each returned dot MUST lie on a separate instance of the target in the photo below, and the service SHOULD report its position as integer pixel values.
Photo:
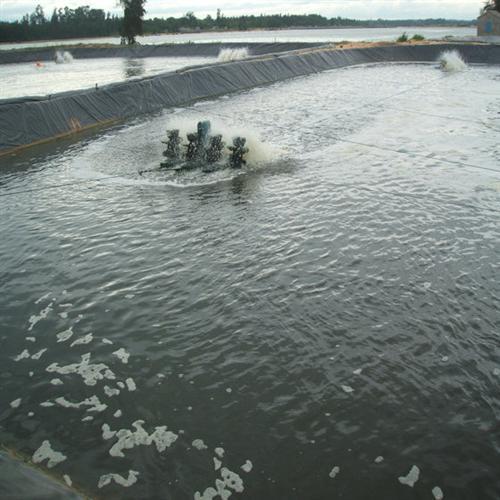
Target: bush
(418, 38)
(402, 38)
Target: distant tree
(55, 18)
(492, 5)
(38, 17)
(133, 13)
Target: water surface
(47, 77)
(334, 303)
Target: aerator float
(202, 150)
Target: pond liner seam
(60, 115)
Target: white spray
(227, 55)
(451, 61)
(63, 57)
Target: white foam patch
(128, 439)
(31, 414)
(130, 384)
(379, 459)
(227, 55)
(437, 492)
(67, 480)
(24, 355)
(217, 463)
(122, 355)
(47, 404)
(90, 373)
(232, 480)
(120, 384)
(358, 371)
(66, 335)
(106, 479)
(347, 388)
(39, 354)
(31, 339)
(199, 444)
(34, 319)
(63, 315)
(110, 391)
(31, 374)
(88, 418)
(45, 452)
(43, 297)
(247, 466)
(56, 381)
(16, 403)
(411, 478)
(219, 452)
(496, 372)
(451, 61)
(117, 414)
(87, 339)
(93, 403)
(334, 472)
(107, 341)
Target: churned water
(323, 324)
(49, 77)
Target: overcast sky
(359, 9)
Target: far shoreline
(253, 30)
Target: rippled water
(270, 36)
(30, 79)
(335, 302)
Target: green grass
(418, 38)
(402, 38)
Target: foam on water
(437, 492)
(333, 473)
(122, 355)
(451, 61)
(45, 452)
(93, 404)
(128, 439)
(106, 479)
(90, 372)
(411, 478)
(16, 403)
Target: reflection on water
(133, 68)
(318, 327)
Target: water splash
(226, 55)
(63, 57)
(260, 152)
(451, 61)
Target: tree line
(86, 22)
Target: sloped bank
(29, 121)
